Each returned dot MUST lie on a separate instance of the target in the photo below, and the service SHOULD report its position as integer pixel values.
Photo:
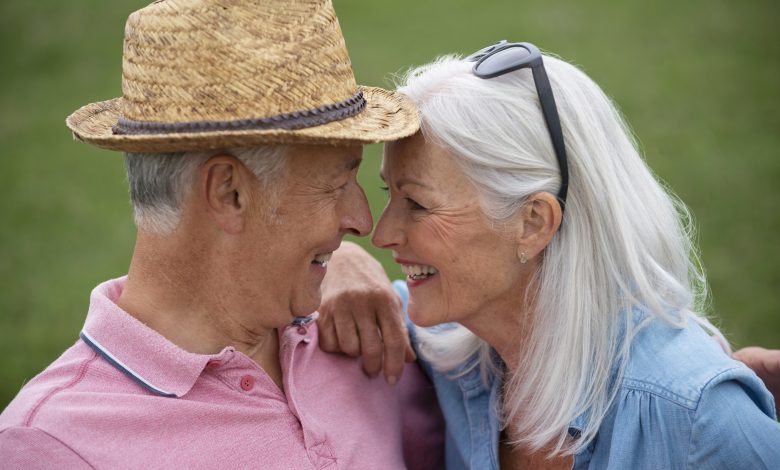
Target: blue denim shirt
(682, 403)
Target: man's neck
(170, 292)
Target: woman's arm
(361, 315)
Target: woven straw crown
(201, 74)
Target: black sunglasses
(504, 57)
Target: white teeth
(323, 258)
(418, 271)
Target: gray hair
(625, 243)
(159, 182)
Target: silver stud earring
(523, 257)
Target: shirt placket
(295, 338)
(483, 431)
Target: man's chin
(306, 307)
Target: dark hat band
(295, 120)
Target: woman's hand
(361, 315)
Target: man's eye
(414, 205)
(334, 188)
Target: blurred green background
(699, 81)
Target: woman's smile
(416, 274)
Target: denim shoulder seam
(709, 382)
(696, 412)
(660, 392)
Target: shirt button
(302, 330)
(247, 382)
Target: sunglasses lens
(510, 58)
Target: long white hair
(625, 242)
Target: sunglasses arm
(550, 112)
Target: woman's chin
(421, 316)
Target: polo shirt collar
(141, 353)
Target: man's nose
(357, 218)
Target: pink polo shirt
(125, 397)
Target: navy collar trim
(102, 352)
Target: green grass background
(697, 80)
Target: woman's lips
(416, 273)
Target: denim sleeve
(735, 427)
(403, 293)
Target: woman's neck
(506, 328)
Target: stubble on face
(309, 222)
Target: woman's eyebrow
(410, 181)
(404, 181)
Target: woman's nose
(387, 233)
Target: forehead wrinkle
(406, 181)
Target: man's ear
(538, 221)
(225, 189)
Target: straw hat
(203, 74)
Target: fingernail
(392, 380)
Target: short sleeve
(31, 448)
(732, 429)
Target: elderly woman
(553, 280)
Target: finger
(768, 358)
(346, 332)
(327, 334)
(754, 357)
(749, 355)
(773, 364)
(395, 340)
(370, 343)
(410, 355)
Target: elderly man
(242, 129)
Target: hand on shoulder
(765, 363)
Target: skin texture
(239, 265)
(367, 321)
(430, 225)
(766, 364)
(433, 217)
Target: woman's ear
(224, 190)
(538, 221)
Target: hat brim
(387, 116)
